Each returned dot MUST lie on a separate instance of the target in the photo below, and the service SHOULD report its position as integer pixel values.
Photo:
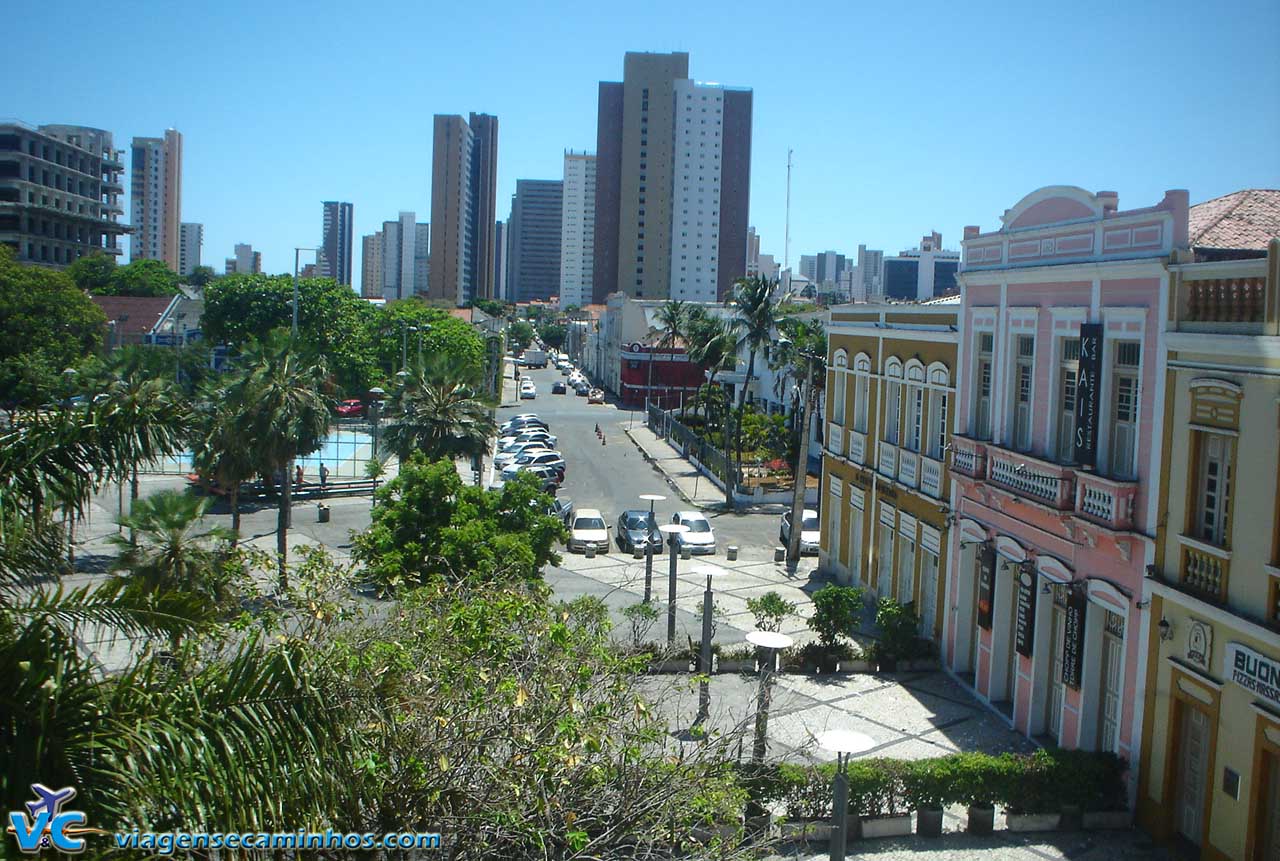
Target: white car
(810, 531)
(699, 538)
(588, 529)
(528, 391)
(536, 435)
(507, 456)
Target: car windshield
(698, 525)
(588, 523)
(809, 524)
(637, 520)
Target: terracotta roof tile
(1242, 219)
(143, 312)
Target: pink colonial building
(1055, 461)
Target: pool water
(344, 452)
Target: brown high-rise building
(464, 189)
(673, 164)
(156, 199)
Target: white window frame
(1020, 433)
(913, 425)
(857, 514)
(980, 429)
(1213, 520)
(905, 588)
(893, 401)
(1118, 373)
(939, 408)
(861, 392)
(1120, 324)
(1067, 372)
(886, 539)
(839, 378)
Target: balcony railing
(1105, 501)
(888, 459)
(835, 439)
(1226, 300)
(1204, 569)
(908, 467)
(1048, 483)
(857, 447)
(968, 457)
(931, 477)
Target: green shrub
(928, 784)
(898, 626)
(1089, 780)
(1032, 785)
(809, 797)
(836, 610)
(769, 610)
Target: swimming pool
(344, 452)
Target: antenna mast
(786, 240)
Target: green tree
(754, 321)
(286, 414)
(93, 273)
(332, 321)
(174, 549)
(201, 275)
(143, 278)
(492, 307)
(447, 335)
(711, 344)
(672, 320)
(801, 353)
(429, 525)
(46, 325)
(219, 450)
(439, 413)
(552, 334)
(520, 335)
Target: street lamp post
(807, 392)
(770, 642)
(421, 331)
(704, 652)
(651, 498)
(671, 531)
(297, 253)
(844, 744)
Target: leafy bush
(928, 784)
(898, 626)
(835, 612)
(1088, 780)
(808, 796)
(640, 618)
(769, 610)
(876, 788)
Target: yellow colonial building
(890, 400)
(1210, 770)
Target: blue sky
(903, 117)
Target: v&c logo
(45, 825)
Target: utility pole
(786, 240)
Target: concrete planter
(806, 831)
(1033, 821)
(671, 666)
(982, 819)
(929, 822)
(736, 667)
(850, 667)
(1107, 820)
(886, 826)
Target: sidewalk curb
(649, 459)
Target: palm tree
(174, 550)
(284, 413)
(755, 319)
(140, 419)
(219, 451)
(711, 344)
(441, 413)
(801, 351)
(672, 319)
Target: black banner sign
(986, 584)
(1025, 631)
(1073, 638)
(1088, 392)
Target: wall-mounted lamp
(1151, 571)
(1166, 630)
(1046, 589)
(1142, 605)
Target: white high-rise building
(190, 240)
(577, 229)
(371, 266)
(695, 201)
(405, 247)
(155, 198)
(870, 275)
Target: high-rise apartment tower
(156, 199)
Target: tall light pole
(770, 642)
(297, 252)
(293, 332)
(807, 397)
(651, 498)
(704, 651)
(844, 744)
(421, 331)
(671, 531)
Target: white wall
(695, 201)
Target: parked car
(595, 396)
(530, 435)
(528, 391)
(350, 408)
(587, 528)
(565, 368)
(561, 508)
(522, 422)
(558, 388)
(810, 530)
(581, 388)
(551, 477)
(541, 456)
(637, 526)
(699, 538)
(509, 455)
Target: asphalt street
(611, 476)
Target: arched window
(914, 427)
(861, 391)
(939, 409)
(839, 380)
(893, 400)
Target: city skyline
(877, 176)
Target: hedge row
(1042, 782)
